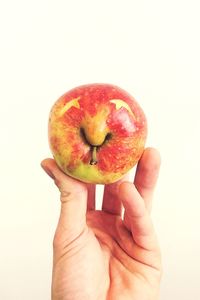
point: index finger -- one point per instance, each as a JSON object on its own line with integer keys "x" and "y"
{"x": 111, "y": 202}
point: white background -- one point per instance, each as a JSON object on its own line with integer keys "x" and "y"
{"x": 149, "y": 48}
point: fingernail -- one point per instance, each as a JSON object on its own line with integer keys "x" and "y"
{"x": 48, "y": 171}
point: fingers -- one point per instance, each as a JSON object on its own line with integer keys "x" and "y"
{"x": 73, "y": 196}
{"x": 147, "y": 174}
{"x": 138, "y": 219}
{"x": 91, "y": 196}
{"x": 111, "y": 201}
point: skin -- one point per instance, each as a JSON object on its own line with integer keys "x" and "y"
{"x": 101, "y": 255}
{"x": 97, "y": 133}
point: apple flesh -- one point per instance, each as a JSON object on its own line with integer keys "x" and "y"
{"x": 97, "y": 133}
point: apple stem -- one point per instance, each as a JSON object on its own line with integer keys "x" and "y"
{"x": 94, "y": 156}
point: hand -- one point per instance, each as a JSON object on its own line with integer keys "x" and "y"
{"x": 99, "y": 255}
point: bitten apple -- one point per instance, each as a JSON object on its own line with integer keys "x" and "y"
{"x": 97, "y": 133}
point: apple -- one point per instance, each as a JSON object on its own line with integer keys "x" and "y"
{"x": 97, "y": 133}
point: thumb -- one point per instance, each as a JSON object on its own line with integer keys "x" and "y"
{"x": 73, "y": 196}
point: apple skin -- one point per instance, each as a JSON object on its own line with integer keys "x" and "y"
{"x": 97, "y": 133}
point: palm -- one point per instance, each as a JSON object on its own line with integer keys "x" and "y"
{"x": 127, "y": 271}
{"x": 105, "y": 263}
{"x": 107, "y": 256}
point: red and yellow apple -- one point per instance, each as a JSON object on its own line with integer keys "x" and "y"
{"x": 97, "y": 133}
